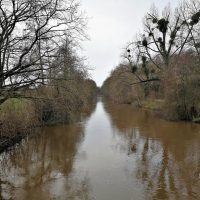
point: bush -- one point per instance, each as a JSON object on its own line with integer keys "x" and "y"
{"x": 16, "y": 116}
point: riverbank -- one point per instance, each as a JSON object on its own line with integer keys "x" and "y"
{"x": 155, "y": 106}
{"x": 20, "y": 116}
{"x": 158, "y": 106}
{"x": 8, "y": 140}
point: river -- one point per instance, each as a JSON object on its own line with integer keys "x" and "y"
{"x": 115, "y": 152}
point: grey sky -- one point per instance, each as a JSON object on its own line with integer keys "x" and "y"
{"x": 112, "y": 24}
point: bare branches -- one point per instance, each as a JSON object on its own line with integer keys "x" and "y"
{"x": 31, "y": 32}
{"x": 164, "y": 37}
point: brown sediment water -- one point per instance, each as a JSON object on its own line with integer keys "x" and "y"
{"x": 115, "y": 153}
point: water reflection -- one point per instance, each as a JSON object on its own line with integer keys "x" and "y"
{"x": 113, "y": 153}
{"x": 42, "y": 166}
{"x": 167, "y": 154}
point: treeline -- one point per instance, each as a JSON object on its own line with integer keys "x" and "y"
{"x": 161, "y": 67}
{"x": 43, "y": 79}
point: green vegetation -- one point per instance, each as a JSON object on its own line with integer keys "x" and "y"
{"x": 153, "y": 104}
{"x": 14, "y": 105}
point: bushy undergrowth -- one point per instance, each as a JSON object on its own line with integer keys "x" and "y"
{"x": 177, "y": 95}
{"x": 16, "y": 115}
{"x": 45, "y": 106}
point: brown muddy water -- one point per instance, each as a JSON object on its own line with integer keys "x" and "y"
{"x": 113, "y": 153}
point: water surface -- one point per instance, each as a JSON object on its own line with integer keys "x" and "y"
{"x": 113, "y": 153}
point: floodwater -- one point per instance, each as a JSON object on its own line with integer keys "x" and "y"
{"x": 115, "y": 152}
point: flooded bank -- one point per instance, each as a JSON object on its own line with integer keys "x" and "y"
{"x": 115, "y": 152}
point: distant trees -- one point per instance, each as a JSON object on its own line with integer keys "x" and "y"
{"x": 118, "y": 86}
{"x": 31, "y": 32}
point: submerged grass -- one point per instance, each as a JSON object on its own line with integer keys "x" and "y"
{"x": 153, "y": 104}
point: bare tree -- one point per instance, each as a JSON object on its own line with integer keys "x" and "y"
{"x": 164, "y": 38}
{"x": 31, "y": 31}
{"x": 190, "y": 14}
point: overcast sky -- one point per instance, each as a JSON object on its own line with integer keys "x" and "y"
{"x": 111, "y": 25}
